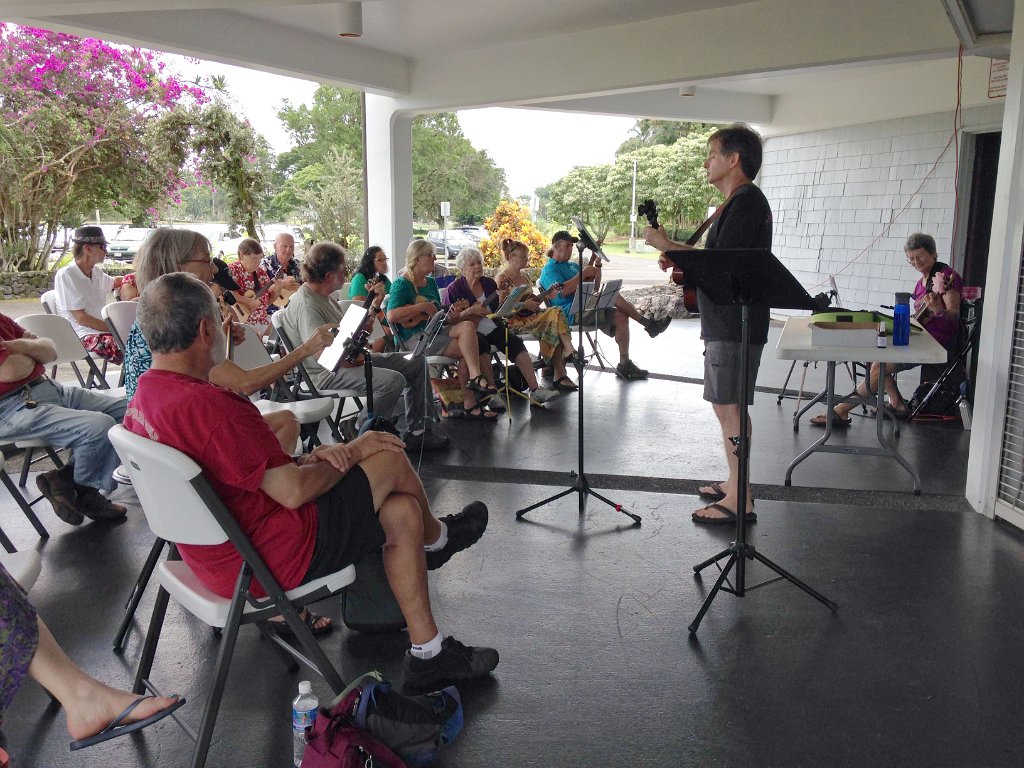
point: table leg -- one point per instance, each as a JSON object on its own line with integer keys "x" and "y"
{"x": 889, "y": 447}
{"x": 829, "y": 394}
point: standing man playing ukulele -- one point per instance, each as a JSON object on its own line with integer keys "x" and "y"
{"x": 744, "y": 220}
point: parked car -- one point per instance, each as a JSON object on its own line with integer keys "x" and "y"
{"x": 457, "y": 240}
{"x": 475, "y": 233}
{"x": 126, "y": 243}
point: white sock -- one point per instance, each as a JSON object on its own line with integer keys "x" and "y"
{"x": 427, "y": 650}
{"x": 441, "y": 540}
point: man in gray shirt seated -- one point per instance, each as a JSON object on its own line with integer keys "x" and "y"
{"x": 394, "y": 374}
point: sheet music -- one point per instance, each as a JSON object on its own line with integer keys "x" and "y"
{"x": 377, "y": 331}
{"x": 587, "y": 293}
{"x": 606, "y": 299}
{"x": 331, "y": 357}
{"x": 428, "y": 333}
{"x": 511, "y": 303}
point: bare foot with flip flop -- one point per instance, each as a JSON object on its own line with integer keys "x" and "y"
{"x": 722, "y": 509}
{"x": 111, "y": 713}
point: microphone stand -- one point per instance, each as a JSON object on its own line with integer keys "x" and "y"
{"x": 580, "y": 483}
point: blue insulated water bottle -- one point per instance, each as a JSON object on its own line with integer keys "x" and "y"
{"x": 901, "y": 321}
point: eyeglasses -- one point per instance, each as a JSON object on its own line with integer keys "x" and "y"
{"x": 208, "y": 261}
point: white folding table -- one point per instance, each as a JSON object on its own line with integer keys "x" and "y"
{"x": 795, "y": 344}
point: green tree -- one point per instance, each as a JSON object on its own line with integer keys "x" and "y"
{"x": 334, "y": 119}
{"x": 235, "y": 159}
{"x": 85, "y": 124}
{"x": 329, "y": 195}
{"x": 446, "y": 166}
{"x": 649, "y": 133}
{"x": 585, "y": 192}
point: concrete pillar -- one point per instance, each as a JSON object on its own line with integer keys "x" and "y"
{"x": 1001, "y": 282}
{"x": 388, "y": 136}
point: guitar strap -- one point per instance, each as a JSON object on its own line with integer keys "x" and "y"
{"x": 710, "y": 220}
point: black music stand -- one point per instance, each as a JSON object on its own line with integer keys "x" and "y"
{"x": 580, "y": 484}
{"x": 750, "y": 278}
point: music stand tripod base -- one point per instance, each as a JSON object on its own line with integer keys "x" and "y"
{"x": 580, "y": 484}
{"x": 749, "y": 278}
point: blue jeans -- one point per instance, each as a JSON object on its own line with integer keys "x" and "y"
{"x": 68, "y": 417}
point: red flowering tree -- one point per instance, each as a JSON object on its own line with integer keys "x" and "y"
{"x": 83, "y": 124}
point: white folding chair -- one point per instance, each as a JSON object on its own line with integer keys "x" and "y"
{"x": 119, "y": 317}
{"x": 24, "y": 567}
{"x": 305, "y": 389}
{"x": 342, "y": 293}
{"x": 69, "y": 350}
{"x": 28, "y": 446}
{"x": 49, "y": 302}
{"x": 181, "y": 507}
{"x": 251, "y": 353}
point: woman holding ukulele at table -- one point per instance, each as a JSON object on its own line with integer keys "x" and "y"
{"x": 936, "y": 307}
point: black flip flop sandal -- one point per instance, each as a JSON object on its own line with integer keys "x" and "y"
{"x": 118, "y": 728}
{"x": 717, "y": 494}
{"x": 730, "y": 516}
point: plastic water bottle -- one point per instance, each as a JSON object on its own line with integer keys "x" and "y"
{"x": 901, "y": 320}
{"x": 303, "y": 715}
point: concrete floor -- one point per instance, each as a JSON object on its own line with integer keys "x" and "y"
{"x": 918, "y": 667}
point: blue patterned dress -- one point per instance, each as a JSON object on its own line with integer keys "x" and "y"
{"x": 19, "y": 636}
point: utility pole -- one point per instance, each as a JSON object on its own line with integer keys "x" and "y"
{"x": 632, "y": 214}
{"x": 446, "y": 210}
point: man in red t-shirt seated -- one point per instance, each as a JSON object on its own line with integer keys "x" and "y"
{"x": 307, "y": 518}
{"x": 34, "y": 406}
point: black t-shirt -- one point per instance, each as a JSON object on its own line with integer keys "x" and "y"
{"x": 746, "y": 222}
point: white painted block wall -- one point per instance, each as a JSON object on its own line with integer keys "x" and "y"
{"x": 844, "y": 201}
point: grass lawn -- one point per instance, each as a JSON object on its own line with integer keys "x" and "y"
{"x": 621, "y": 248}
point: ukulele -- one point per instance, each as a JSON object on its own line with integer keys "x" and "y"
{"x": 458, "y": 306}
{"x": 229, "y": 306}
{"x": 286, "y": 295}
{"x": 505, "y": 284}
{"x": 244, "y": 312}
{"x": 649, "y": 209}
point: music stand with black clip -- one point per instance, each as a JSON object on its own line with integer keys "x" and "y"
{"x": 750, "y": 278}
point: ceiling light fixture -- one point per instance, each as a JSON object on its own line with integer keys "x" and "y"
{"x": 688, "y": 90}
{"x": 350, "y": 19}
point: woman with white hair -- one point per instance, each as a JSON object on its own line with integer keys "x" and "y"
{"x": 414, "y": 299}
{"x": 477, "y": 290}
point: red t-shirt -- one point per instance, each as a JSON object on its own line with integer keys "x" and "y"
{"x": 225, "y": 434}
{"x": 10, "y": 330}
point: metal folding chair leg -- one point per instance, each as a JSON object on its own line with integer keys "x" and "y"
{"x": 132, "y": 605}
{"x": 26, "y": 506}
